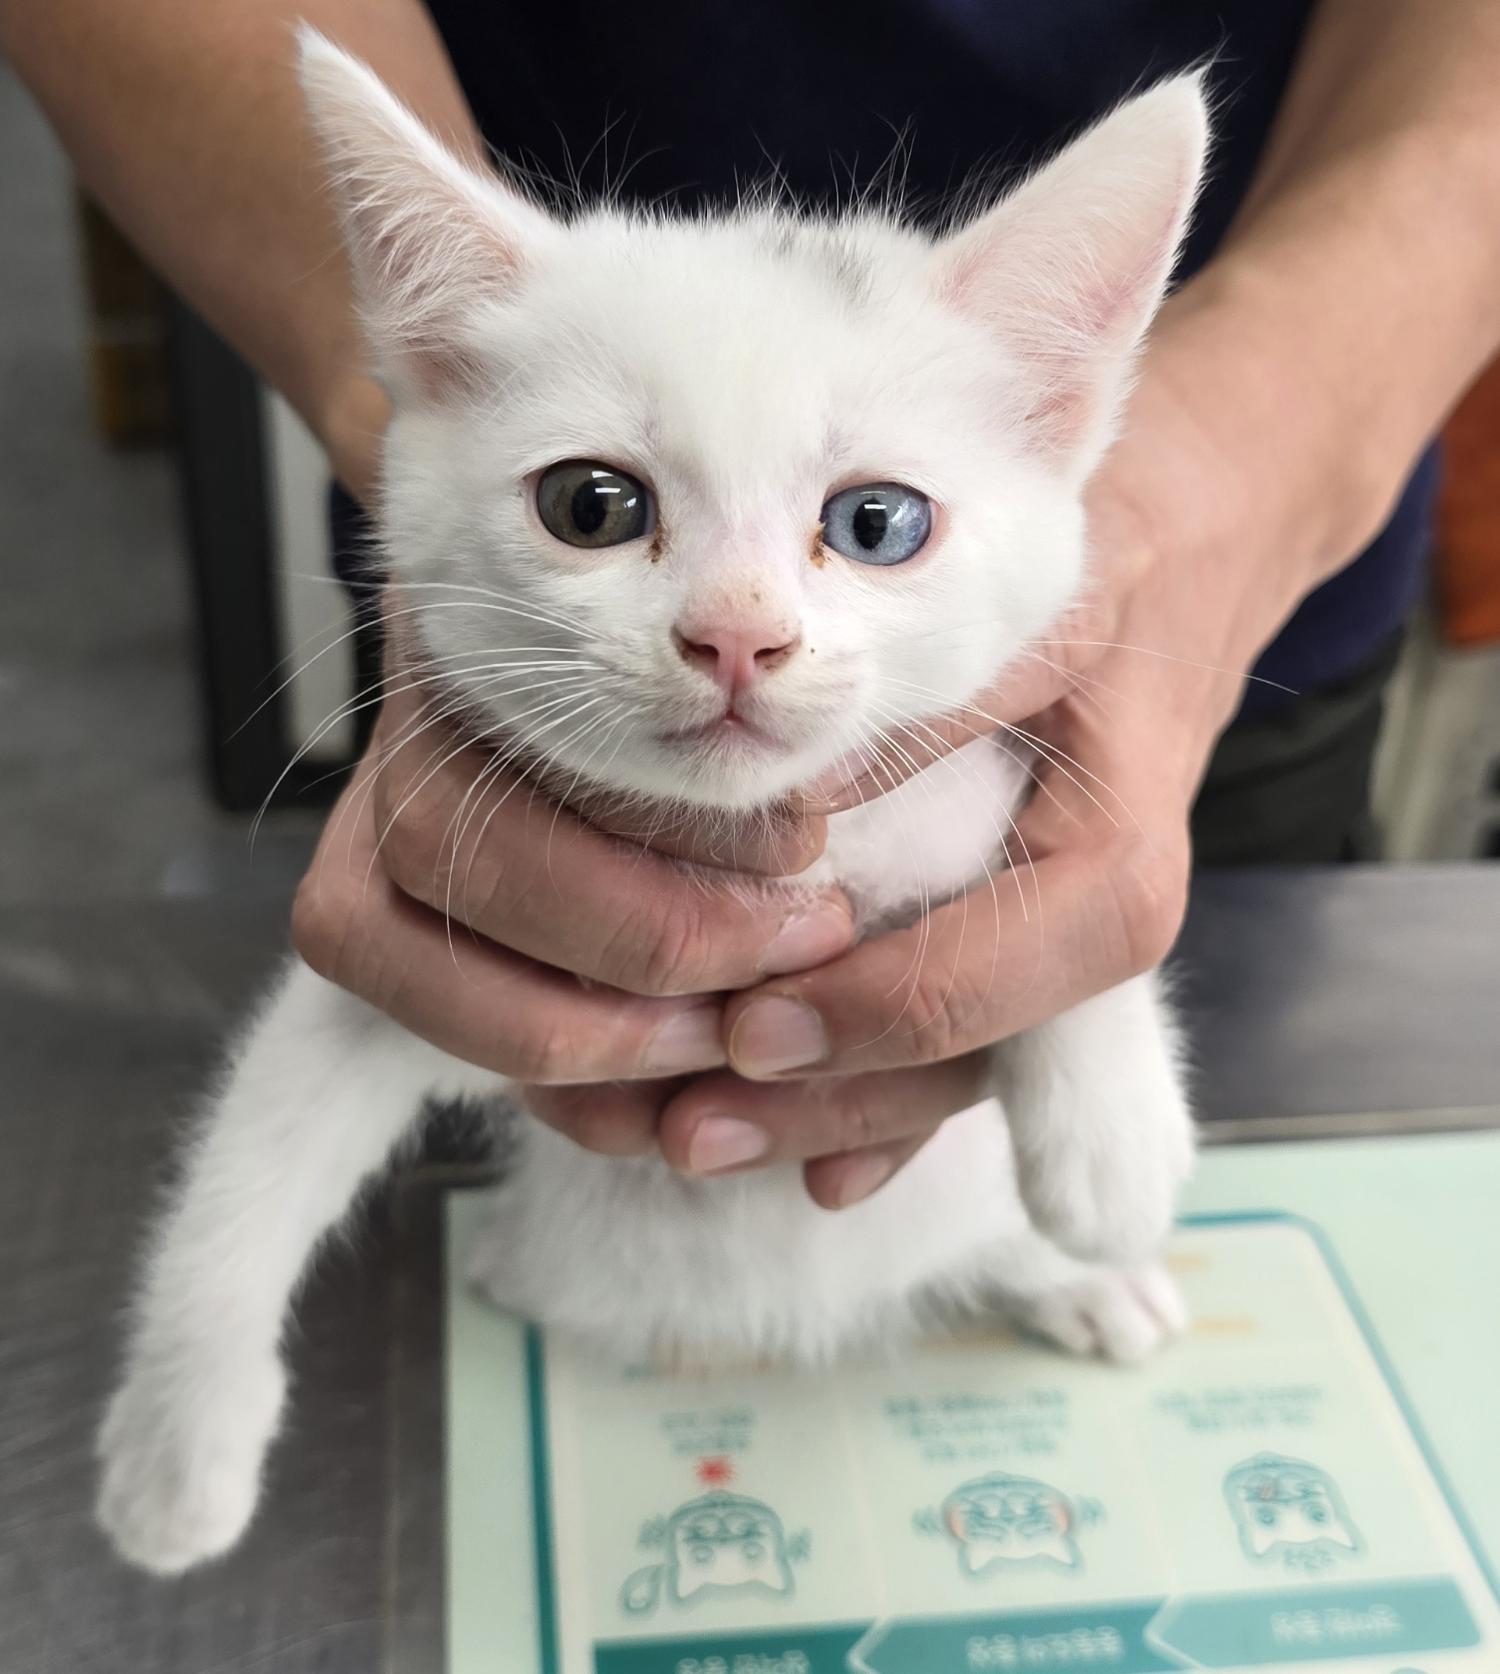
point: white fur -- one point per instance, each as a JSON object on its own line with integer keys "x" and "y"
{"x": 745, "y": 366}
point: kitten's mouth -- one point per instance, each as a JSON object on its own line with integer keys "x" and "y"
{"x": 730, "y": 729}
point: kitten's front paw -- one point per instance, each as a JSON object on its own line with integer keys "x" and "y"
{"x": 1114, "y": 1202}
{"x": 1123, "y": 1314}
{"x": 181, "y": 1468}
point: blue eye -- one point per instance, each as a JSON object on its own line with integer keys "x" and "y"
{"x": 882, "y": 523}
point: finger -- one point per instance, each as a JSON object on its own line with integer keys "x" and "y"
{"x": 480, "y": 1002}
{"x": 1099, "y": 899}
{"x": 973, "y": 972}
{"x": 614, "y": 1118}
{"x": 469, "y": 837}
{"x": 776, "y": 842}
{"x": 842, "y": 1181}
{"x": 721, "y": 1123}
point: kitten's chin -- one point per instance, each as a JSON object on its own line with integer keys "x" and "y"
{"x": 735, "y": 768}
{"x": 730, "y": 770}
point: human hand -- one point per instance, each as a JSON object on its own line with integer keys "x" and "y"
{"x": 448, "y": 892}
{"x": 851, "y": 1067}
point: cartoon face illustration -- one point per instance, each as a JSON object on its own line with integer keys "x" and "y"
{"x": 726, "y": 1540}
{"x": 720, "y": 1542}
{"x": 1003, "y": 1519}
{"x": 1285, "y": 1508}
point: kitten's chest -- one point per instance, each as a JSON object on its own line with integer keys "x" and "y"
{"x": 929, "y": 839}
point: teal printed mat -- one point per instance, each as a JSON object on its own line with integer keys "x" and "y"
{"x": 1308, "y": 1481}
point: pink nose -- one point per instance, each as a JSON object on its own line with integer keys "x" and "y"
{"x": 736, "y": 657}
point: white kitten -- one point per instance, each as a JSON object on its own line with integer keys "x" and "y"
{"x": 780, "y": 483}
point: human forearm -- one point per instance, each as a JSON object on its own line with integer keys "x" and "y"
{"x": 1361, "y": 279}
{"x": 185, "y": 121}
{"x": 1288, "y": 388}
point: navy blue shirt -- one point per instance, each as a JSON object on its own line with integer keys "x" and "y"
{"x": 699, "y": 97}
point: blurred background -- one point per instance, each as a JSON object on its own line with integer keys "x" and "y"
{"x": 164, "y": 526}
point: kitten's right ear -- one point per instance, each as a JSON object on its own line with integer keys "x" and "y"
{"x": 1070, "y": 267}
{"x": 429, "y": 240}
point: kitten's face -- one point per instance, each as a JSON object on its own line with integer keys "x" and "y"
{"x": 724, "y": 649}
{"x": 623, "y": 480}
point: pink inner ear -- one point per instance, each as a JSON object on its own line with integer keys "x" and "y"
{"x": 1084, "y": 306}
{"x": 1069, "y": 269}
{"x": 1102, "y": 308}
{"x": 399, "y": 249}
{"x": 430, "y": 238}
{"x": 1091, "y": 322}
{"x": 416, "y": 304}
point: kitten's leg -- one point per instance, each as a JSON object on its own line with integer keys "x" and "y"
{"x": 1100, "y": 1123}
{"x": 1121, "y": 1313}
{"x": 320, "y": 1091}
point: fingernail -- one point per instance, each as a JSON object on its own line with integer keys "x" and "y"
{"x": 807, "y": 940}
{"x": 689, "y": 1041}
{"x": 721, "y": 1142}
{"x": 861, "y": 1177}
{"x": 777, "y": 1034}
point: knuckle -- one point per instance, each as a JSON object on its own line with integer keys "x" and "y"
{"x": 859, "y": 1125}
{"x": 1152, "y": 887}
{"x": 321, "y": 922}
{"x": 936, "y": 1011}
{"x": 545, "y": 1057}
{"x": 662, "y": 954}
{"x": 485, "y": 895}
{"x": 405, "y": 848}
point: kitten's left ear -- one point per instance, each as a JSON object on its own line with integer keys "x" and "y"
{"x": 1071, "y": 266}
{"x": 430, "y": 241}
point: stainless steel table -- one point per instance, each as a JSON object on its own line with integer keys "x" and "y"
{"x": 1311, "y": 995}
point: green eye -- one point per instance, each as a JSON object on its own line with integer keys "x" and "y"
{"x": 587, "y": 504}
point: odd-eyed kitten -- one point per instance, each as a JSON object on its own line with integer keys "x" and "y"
{"x": 779, "y": 484}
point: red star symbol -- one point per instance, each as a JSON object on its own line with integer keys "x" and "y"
{"x": 714, "y": 1473}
